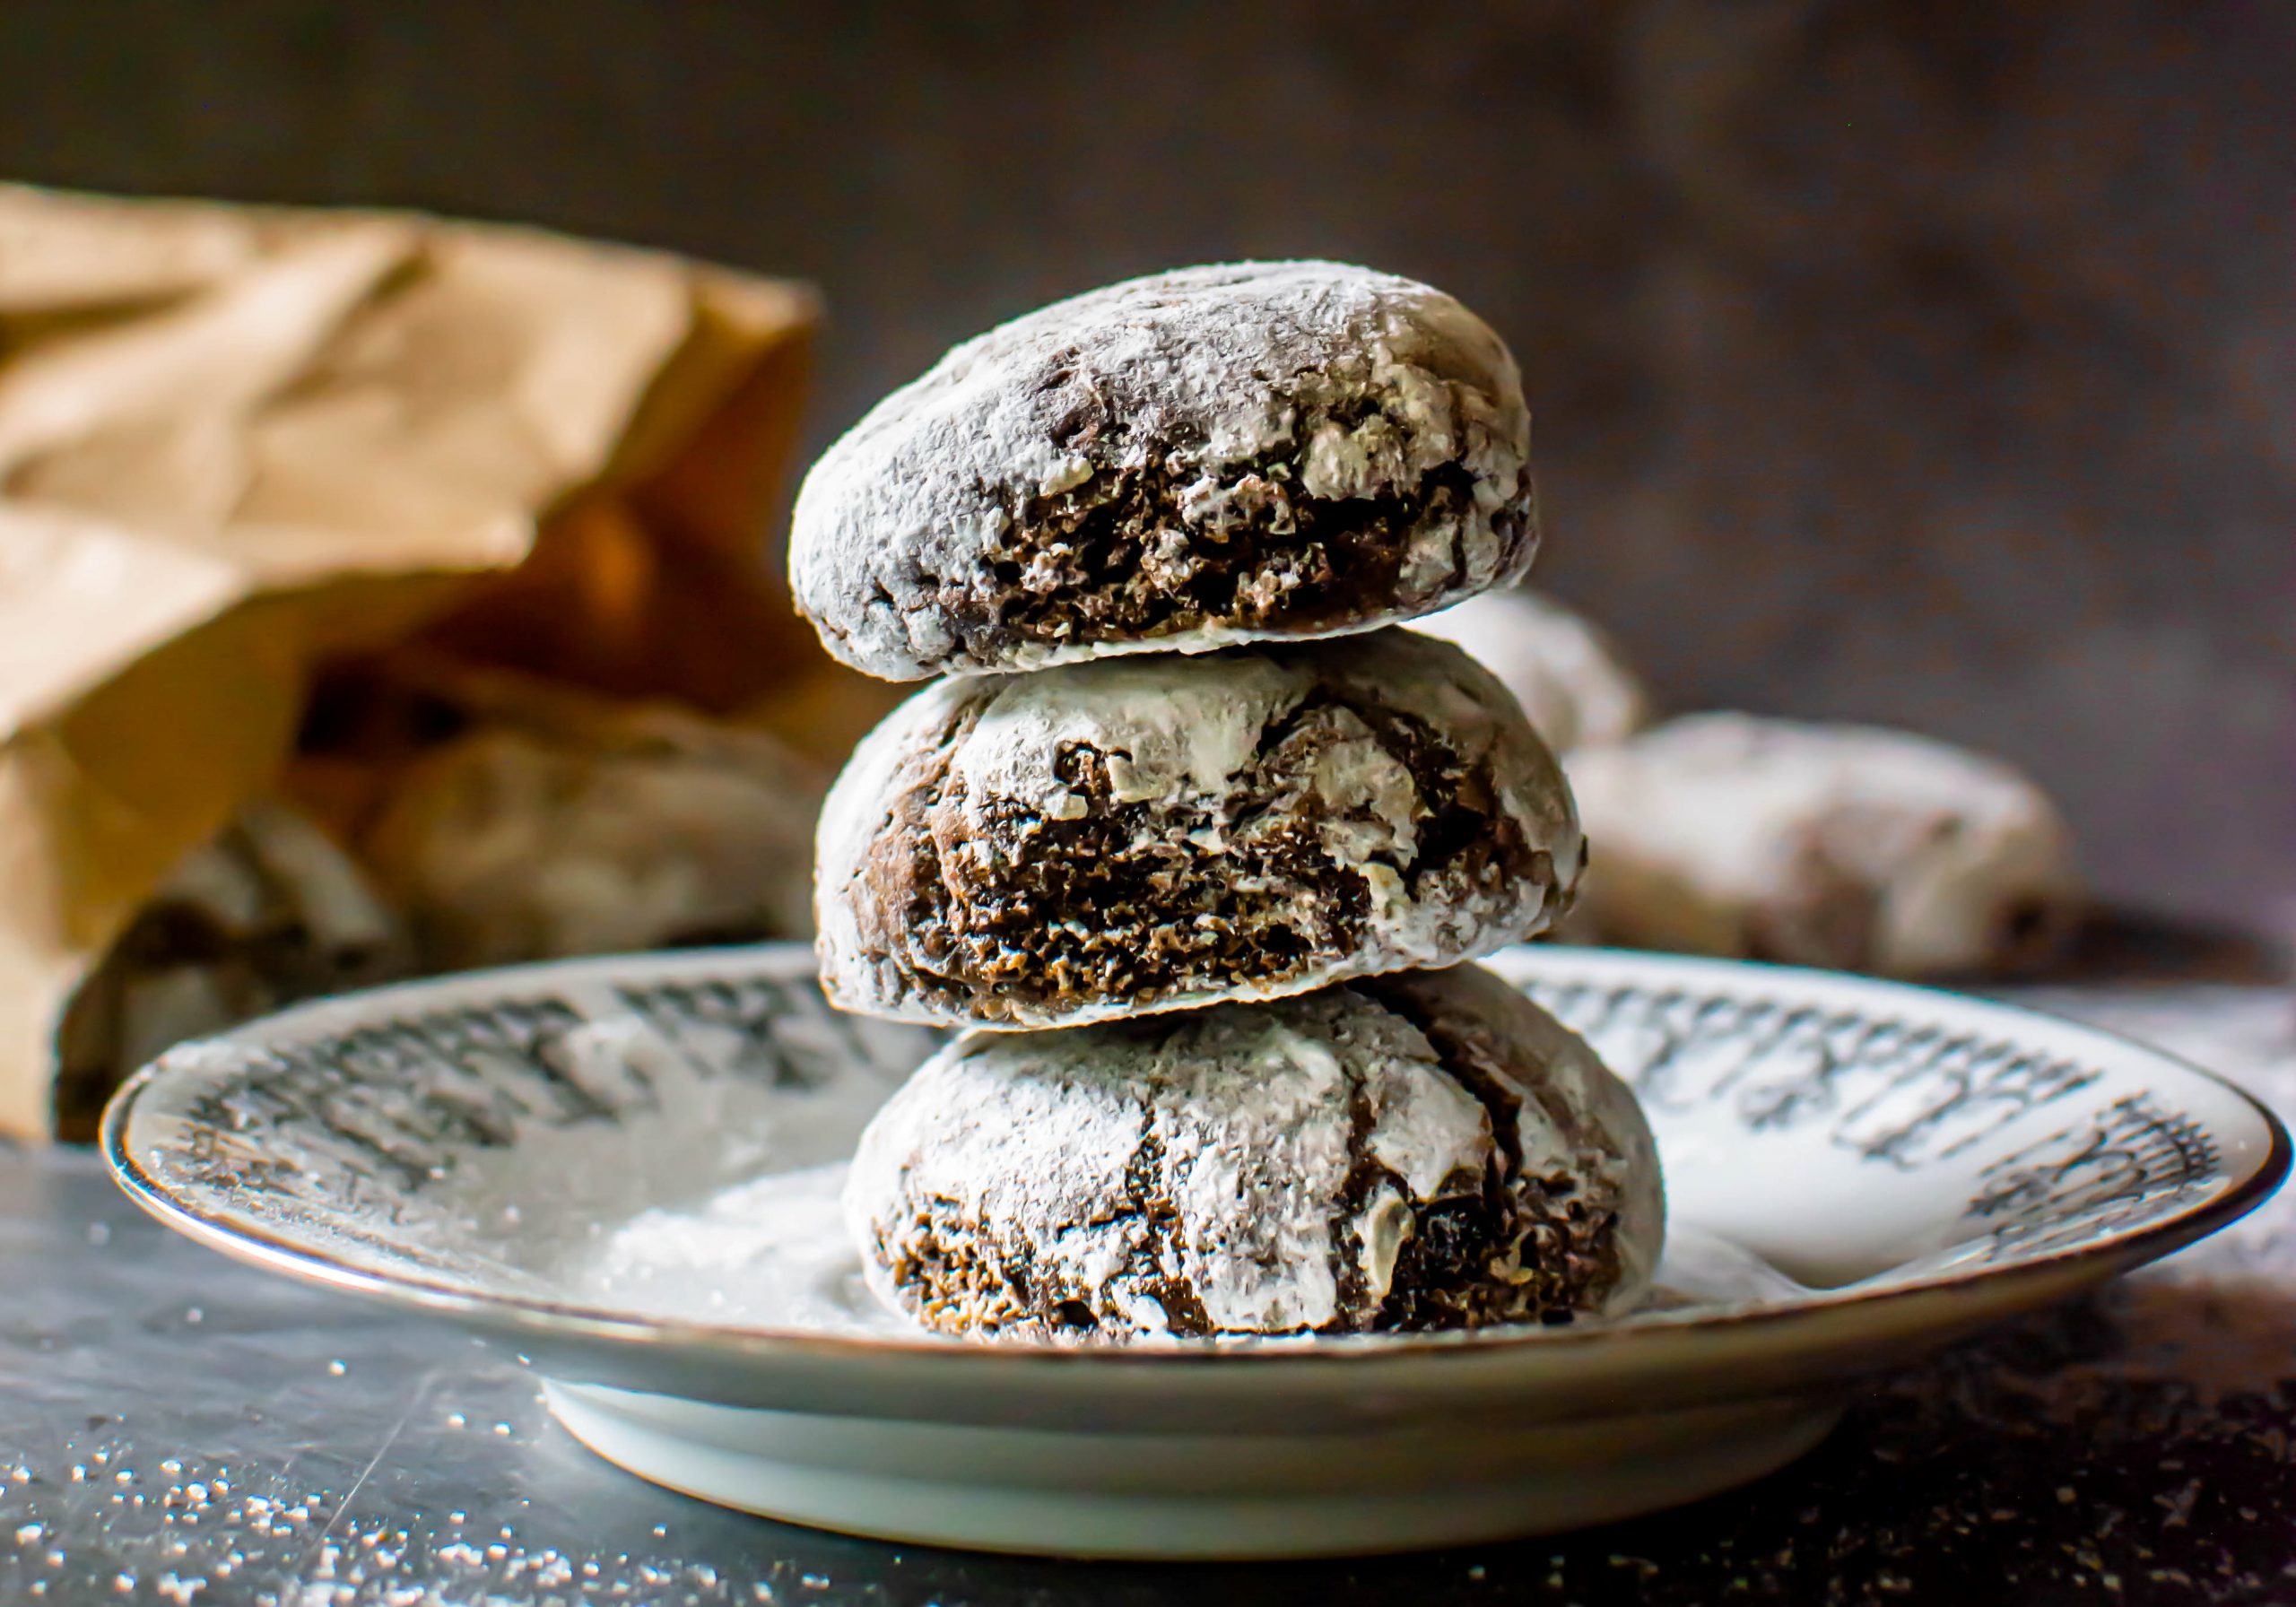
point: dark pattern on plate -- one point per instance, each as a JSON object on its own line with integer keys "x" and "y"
{"x": 348, "y": 1135}
{"x": 780, "y": 1031}
{"x": 349, "y": 1132}
{"x": 1903, "y": 1094}
{"x": 2131, "y": 1163}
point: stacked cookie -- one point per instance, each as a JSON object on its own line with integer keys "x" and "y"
{"x": 1192, "y": 832}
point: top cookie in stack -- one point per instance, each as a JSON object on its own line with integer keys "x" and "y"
{"x": 1270, "y": 455}
{"x": 1258, "y": 452}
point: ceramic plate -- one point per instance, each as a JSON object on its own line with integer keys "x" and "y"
{"x": 628, "y": 1168}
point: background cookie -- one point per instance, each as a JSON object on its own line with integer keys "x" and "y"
{"x": 1209, "y": 455}
{"x": 1839, "y": 846}
{"x": 656, "y": 830}
{"x": 1565, "y": 670}
{"x": 1144, "y": 834}
{"x": 1424, "y": 1152}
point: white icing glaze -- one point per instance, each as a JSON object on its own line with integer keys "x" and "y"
{"x": 1703, "y": 823}
{"x": 1565, "y": 673}
{"x": 1185, "y": 729}
{"x": 1198, "y": 369}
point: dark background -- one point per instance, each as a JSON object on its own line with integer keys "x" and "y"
{"x": 1932, "y": 363}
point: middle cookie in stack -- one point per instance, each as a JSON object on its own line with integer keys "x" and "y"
{"x": 1294, "y": 456}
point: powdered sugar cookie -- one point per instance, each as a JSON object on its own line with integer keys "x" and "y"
{"x": 1255, "y": 451}
{"x": 1424, "y": 1152}
{"x": 1821, "y": 844}
{"x": 1145, "y": 834}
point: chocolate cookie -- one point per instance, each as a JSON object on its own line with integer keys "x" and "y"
{"x": 1821, "y": 844}
{"x": 1145, "y": 834}
{"x": 1428, "y": 1151}
{"x": 1201, "y": 457}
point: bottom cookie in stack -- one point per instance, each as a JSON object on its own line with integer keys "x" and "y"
{"x": 1418, "y": 1151}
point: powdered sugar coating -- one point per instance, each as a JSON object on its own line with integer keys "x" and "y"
{"x": 1566, "y": 674}
{"x": 1827, "y": 845}
{"x": 1325, "y": 1164}
{"x": 1293, "y": 400}
{"x": 957, "y": 856}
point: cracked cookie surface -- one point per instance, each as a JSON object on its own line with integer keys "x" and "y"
{"x": 1420, "y": 1152}
{"x": 1151, "y": 834}
{"x": 1237, "y": 453}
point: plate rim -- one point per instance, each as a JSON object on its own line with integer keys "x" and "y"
{"x": 2070, "y": 1266}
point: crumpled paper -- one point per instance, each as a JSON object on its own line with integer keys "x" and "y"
{"x": 240, "y": 444}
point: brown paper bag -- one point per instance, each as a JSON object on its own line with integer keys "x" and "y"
{"x": 238, "y": 445}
